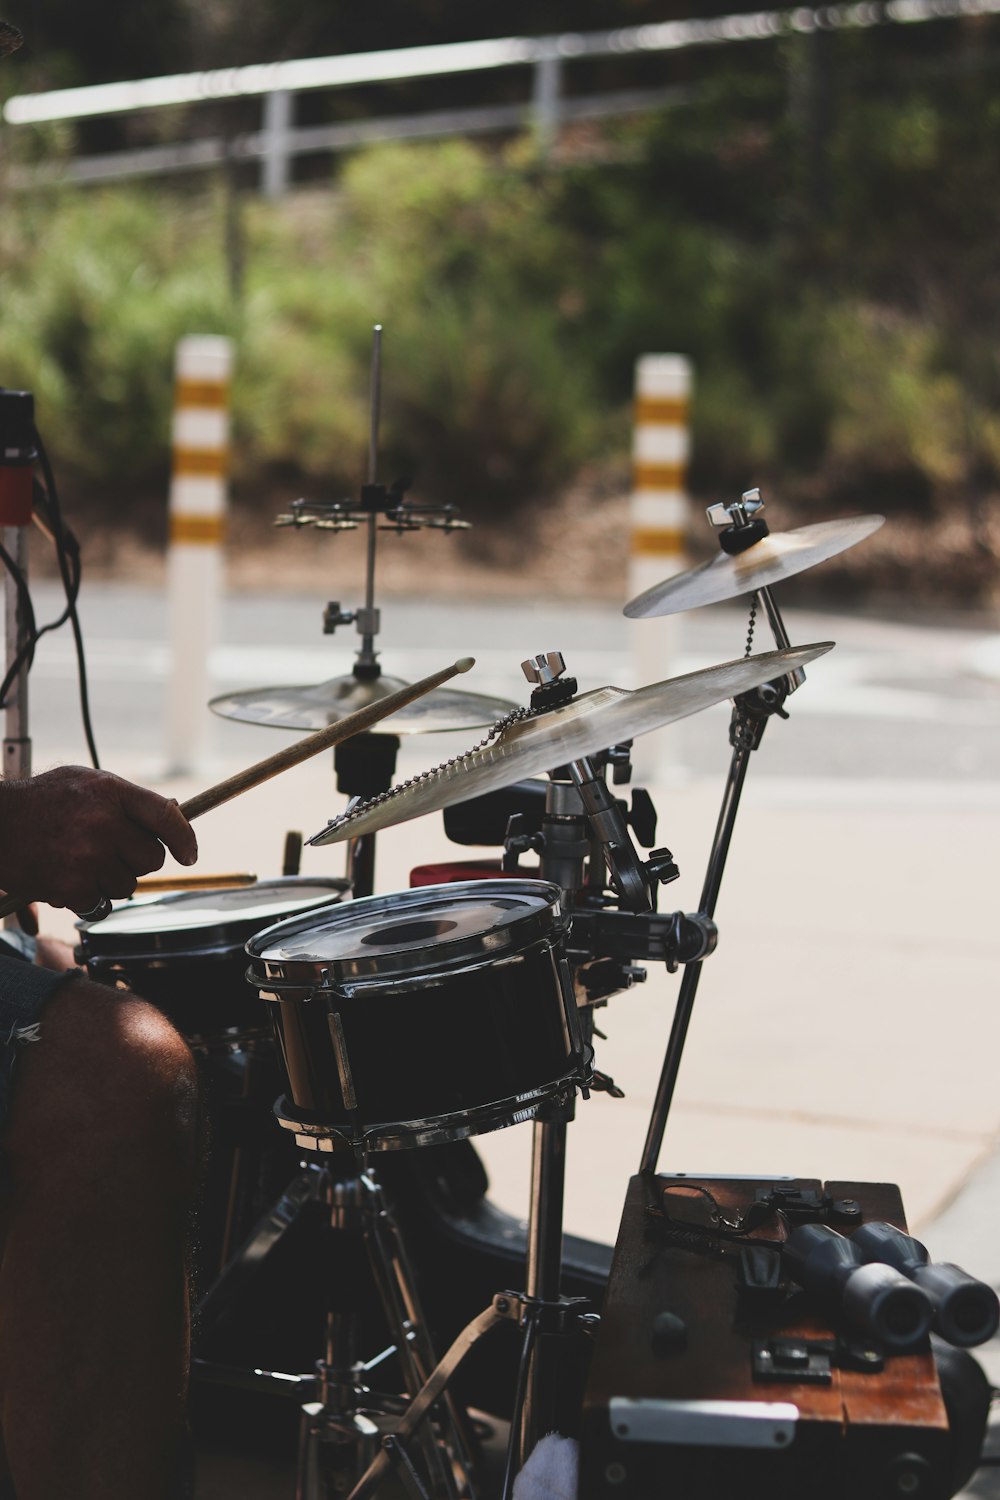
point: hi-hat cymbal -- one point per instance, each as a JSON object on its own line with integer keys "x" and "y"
{"x": 768, "y": 561}
{"x": 327, "y": 702}
{"x": 543, "y": 741}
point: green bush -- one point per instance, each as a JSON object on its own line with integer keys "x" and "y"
{"x": 844, "y": 342}
{"x": 96, "y": 288}
{"x": 460, "y": 259}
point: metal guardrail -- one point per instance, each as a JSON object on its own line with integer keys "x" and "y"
{"x": 214, "y": 151}
{"x": 277, "y": 83}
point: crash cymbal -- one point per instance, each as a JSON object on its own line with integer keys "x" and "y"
{"x": 540, "y": 742}
{"x": 327, "y": 702}
{"x": 774, "y": 557}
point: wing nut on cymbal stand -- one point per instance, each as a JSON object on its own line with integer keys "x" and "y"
{"x": 742, "y": 528}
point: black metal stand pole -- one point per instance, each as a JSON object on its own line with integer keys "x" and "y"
{"x": 689, "y": 984}
{"x": 544, "y": 1269}
{"x": 365, "y": 766}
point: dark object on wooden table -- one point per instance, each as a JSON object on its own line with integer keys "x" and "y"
{"x": 755, "y": 1392}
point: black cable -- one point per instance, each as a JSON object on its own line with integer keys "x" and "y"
{"x": 70, "y": 570}
{"x": 27, "y": 617}
{"x": 68, "y": 558}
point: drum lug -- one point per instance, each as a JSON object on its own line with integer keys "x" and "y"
{"x": 603, "y": 1083}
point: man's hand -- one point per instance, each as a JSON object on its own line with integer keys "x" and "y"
{"x": 72, "y": 836}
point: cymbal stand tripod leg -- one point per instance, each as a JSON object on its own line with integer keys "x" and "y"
{"x": 396, "y": 1286}
{"x": 502, "y": 1308}
{"x": 527, "y": 1313}
{"x": 751, "y": 712}
{"x": 338, "y": 1438}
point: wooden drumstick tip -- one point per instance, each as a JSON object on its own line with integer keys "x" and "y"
{"x": 465, "y": 664}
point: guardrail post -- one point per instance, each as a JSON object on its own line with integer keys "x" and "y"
{"x": 658, "y": 520}
{"x": 197, "y": 523}
{"x": 545, "y": 97}
{"x": 275, "y": 168}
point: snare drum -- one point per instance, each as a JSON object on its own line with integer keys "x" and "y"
{"x": 185, "y": 952}
{"x": 421, "y": 1017}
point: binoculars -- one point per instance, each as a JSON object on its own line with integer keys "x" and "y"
{"x": 884, "y": 1283}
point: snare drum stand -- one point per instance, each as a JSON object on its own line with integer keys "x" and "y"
{"x": 341, "y": 1433}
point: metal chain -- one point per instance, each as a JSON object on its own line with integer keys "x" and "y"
{"x": 750, "y": 625}
{"x": 516, "y": 716}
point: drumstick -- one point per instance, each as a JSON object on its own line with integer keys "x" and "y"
{"x": 292, "y": 755}
{"x": 192, "y": 883}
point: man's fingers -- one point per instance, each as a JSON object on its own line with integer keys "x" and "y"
{"x": 162, "y": 816}
{"x": 141, "y": 851}
{"x": 114, "y": 878}
{"x": 178, "y": 835}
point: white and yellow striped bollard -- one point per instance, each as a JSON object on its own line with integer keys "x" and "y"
{"x": 197, "y": 527}
{"x": 658, "y": 520}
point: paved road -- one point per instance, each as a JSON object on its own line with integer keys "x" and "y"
{"x": 892, "y": 703}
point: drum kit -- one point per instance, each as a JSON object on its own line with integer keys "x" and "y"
{"x": 394, "y": 1027}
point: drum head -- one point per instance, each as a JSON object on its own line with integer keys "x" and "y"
{"x": 183, "y": 921}
{"x": 381, "y": 938}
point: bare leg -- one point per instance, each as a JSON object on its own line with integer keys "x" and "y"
{"x": 93, "y": 1293}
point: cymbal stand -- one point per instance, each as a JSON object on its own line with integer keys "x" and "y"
{"x": 571, "y": 805}
{"x": 379, "y": 508}
{"x": 583, "y": 823}
{"x": 751, "y": 712}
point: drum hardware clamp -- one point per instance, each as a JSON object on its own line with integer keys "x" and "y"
{"x": 630, "y": 878}
{"x": 553, "y": 1317}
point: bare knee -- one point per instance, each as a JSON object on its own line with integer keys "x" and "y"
{"x": 106, "y": 1082}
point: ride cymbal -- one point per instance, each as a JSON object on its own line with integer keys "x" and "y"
{"x": 774, "y": 557}
{"x": 541, "y": 741}
{"x": 327, "y": 702}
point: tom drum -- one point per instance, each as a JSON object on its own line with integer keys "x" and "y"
{"x": 424, "y": 1016}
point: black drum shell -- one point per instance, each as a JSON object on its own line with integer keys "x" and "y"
{"x": 196, "y": 974}
{"x": 450, "y": 1048}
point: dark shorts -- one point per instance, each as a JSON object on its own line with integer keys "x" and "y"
{"x": 24, "y": 991}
